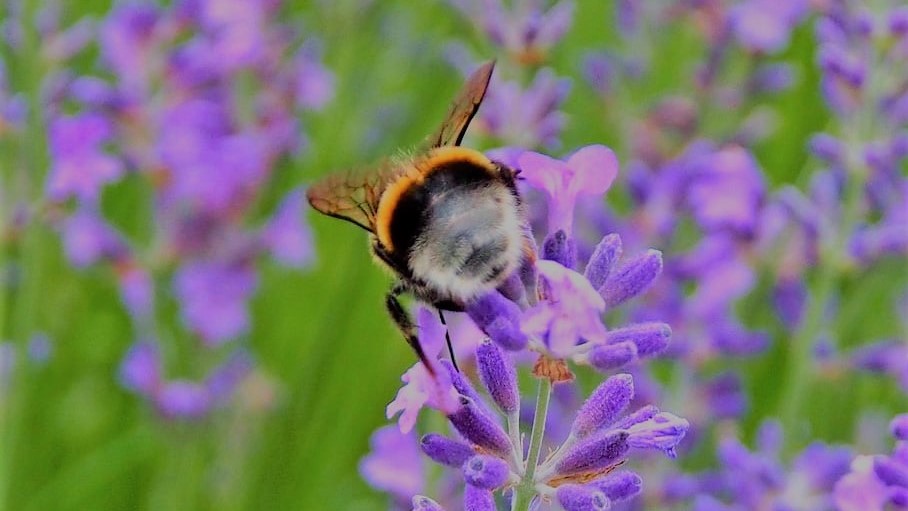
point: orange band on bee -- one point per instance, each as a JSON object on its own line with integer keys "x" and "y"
{"x": 415, "y": 174}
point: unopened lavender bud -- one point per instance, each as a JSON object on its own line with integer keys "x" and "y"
{"x": 559, "y": 248}
{"x": 595, "y": 453}
{"x": 421, "y": 503}
{"x": 512, "y": 288}
{"x": 619, "y": 486}
{"x": 461, "y": 384}
{"x": 478, "y": 499}
{"x": 651, "y": 338}
{"x": 898, "y": 22}
{"x": 891, "y": 473}
{"x": 498, "y": 376}
{"x": 899, "y": 426}
{"x": 444, "y": 450}
{"x": 827, "y": 148}
{"x": 604, "y": 257}
{"x": 604, "y": 405}
{"x": 664, "y": 431}
{"x": 635, "y": 277}
{"x": 488, "y": 472}
{"x": 479, "y": 428}
{"x": 499, "y": 318}
{"x": 577, "y": 497}
{"x": 608, "y": 357}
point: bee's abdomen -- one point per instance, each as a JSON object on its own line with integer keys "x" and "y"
{"x": 460, "y": 231}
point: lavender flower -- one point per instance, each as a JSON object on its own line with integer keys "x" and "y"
{"x": 876, "y": 482}
{"x": 394, "y": 464}
{"x": 525, "y": 30}
{"x": 162, "y": 103}
{"x": 526, "y": 117}
{"x": 81, "y": 167}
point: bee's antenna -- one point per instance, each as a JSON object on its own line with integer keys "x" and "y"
{"x": 441, "y": 316}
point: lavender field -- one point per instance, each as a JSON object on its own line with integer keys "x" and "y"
{"x": 710, "y": 313}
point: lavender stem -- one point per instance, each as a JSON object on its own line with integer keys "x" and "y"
{"x": 526, "y": 490}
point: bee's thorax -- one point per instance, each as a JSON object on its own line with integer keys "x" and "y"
{"x": 457, "y": 234}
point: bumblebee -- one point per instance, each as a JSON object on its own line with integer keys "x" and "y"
{"x": 447, "y": 221}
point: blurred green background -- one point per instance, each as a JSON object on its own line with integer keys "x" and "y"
{"x": 328, "y": 358}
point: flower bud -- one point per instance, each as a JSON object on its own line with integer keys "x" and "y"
{"x": 499, "y": 318}
{"x": 635, "y": 277}
{"x": 608, "y": 357}
{"x": 619, "y": 486}
{"x": 477, "y": 499}
{"x": 498, "y": 376}
{"x": 479, "y": 428}
{"x": 650, "y": 338}
{"x": 890, "y": 472}
{"x": 444, "y": 450}
{"x": 603, "y": 260}
{"x": 604, "y": 405}
{"x": 561, "y": 249}
{"x": 899, "y": 426}
{"x": 576, "y": 497}
{"x": 421, "y": 503}
{"x": 598, "y": 452}
{"x": 486, "y": 472}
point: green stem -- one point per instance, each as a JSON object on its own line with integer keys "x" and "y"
{"x": 25, "y": 174}
{"x": 526, "y": 490}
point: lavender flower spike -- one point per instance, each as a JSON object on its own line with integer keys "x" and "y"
{"x": 635, "y": 277}
{"x": 498, "y": 376}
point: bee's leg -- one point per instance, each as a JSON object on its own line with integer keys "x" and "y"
{"x": 441, "y": 316}
{"x": 405, "y": 324}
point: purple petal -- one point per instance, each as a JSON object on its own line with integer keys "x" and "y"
{"x": 393, "y": 463}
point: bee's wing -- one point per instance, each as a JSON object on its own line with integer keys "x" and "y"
{"x": 464, "y": 108}
{"x": 352, "y": 196}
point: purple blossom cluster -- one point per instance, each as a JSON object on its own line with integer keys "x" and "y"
{"x": 197, "y": 102}
{"x": 551, "y": 316}
{"x": 699, "y": 193}
{"x": 876, "y": 483}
